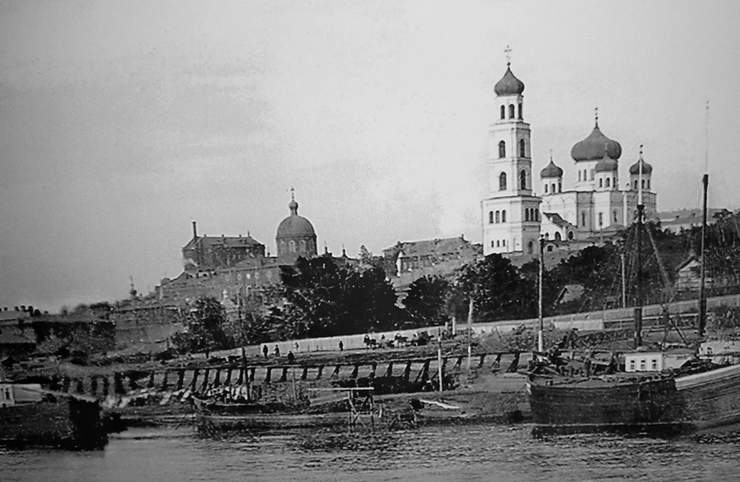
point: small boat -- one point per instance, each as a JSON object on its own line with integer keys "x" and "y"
{"x": 32, "y": 416}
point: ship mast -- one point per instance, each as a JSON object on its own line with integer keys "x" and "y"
{"x": 638, "y": 239}
{"x": 540, "y": 336}
{"x": 705, "y": 186}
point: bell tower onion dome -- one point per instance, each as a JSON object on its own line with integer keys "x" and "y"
{"x": 509, "y": 84}
{"x": 596, "y": 146}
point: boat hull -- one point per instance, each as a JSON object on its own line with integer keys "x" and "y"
{"x": 605, "y": 404}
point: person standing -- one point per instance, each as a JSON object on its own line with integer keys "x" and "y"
{"x": 264, "y": 351}
{"x": 341, "y": 345}
{"x": 277, "y": 351}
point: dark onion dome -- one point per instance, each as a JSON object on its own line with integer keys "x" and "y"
{"x": 596, "y": 146}
{"x": 295, "y": 226}
{"x": 606, "y": 164}
{"x": 551, "y": 170}
{"x": 646, "y": 168}
{"x": 509, "y": 84}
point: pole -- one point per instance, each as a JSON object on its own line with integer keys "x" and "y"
{"x": 638, "y": 236}
{"x": 470, "y": 331}
{"x": 624, "y": 281}
{"x": 702, "y": 293}
{"x": 540, "y": 335}
{"x": 439, "y": 360}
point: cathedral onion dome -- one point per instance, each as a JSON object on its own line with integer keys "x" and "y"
{"x": 596, "y": 146}
{"x": 509, "y": 84}
{"x": 295, "y": 226}
{"x": 551, "y": 170}
{"x": 646, "y": 168}
{"x": 606, "y": 164}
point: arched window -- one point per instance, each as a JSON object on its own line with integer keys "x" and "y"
{"x": 498, "y": 243}
{"x": 643, "y": 183}
{"x": 552, "y": 188}
{"x": 648, "y": 184}
{"x": 523, "y": 179}
{"x": 592, "y": 174}
{"x": 498, "y": 217}
{"x": 526, "y": 214}
{"x": 635, "y": 184}
{"x": 545, "y": 188}
{"x": 570, "y": 234}
{"x": 560, "y": 187}
{"x": 608, "y": 181}
{"x": 501, "y": 149}
{"x": 536, "y": 215}
{"x": 558, "y": 237}
{"x": 521, "y": 111}
{"x": 585, "y": 175}
{"x": 503, "y": 112}
{"x": 502, "y": 182}
{"x": 530, "y": 247}
{"x": 583, "y": 219}
{"x": 511, "y": 111}
{"x": 503, "y": 216}
{"x": 579, "y": 176}
{"x": 601, "y": 182}
{"x": 490, "y": 217}
{"x": 522, "y": 150}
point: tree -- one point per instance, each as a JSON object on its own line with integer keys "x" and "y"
{"x": 497, "y": 289}
{"x": 426, "y": 301}
{"x": 205, "y": 327}
{"x": 324, "y": 298}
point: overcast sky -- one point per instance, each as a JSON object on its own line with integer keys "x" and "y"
{"x": 120, "y": 122}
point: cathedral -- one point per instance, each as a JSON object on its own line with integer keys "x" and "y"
{"x": 514, "y": 216}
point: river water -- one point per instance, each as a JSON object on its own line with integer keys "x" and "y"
{"x": 471, "y": 452}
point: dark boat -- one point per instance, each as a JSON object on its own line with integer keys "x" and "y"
{"x": 664, "y": 403}
{"x": 31, "y": 416}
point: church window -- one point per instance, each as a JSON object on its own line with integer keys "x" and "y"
{"x": 501, "y": 149}
{"x": 526, "y": 214}
{"x": 545, "y": 188}
{"x": 521, "y": 111}
{"x": 521, "y": 148}
{"x": 648, "y": 184}
{"x": 592, "y": 174}
{"x": 503, "y": 112}
{"x": 583, "y": 219}
{"x": 498, "y": 217}
{"x": 608, "y": 181}
{"x": 570, "y": 234}
{"x": 560, "y": 187}
{"x": 511, "y": 111}
{"x": 490, "y": 217}
{"x": 558, "y": 237}
{"x": 498, "y": 243}
{"x": 530, "y": 247}
{"x": 492, "y": 244}
{"x": 579, "y": 176}
{"x": 585, "y": 175}
{"x": 635, "y": 184}
{"x": 601, "y": 182}
{"x": 291, "y": 246}
{"x": 502, "y": 181}
{"x": 523, "y": 179}
{"x": 552, "y": 188}
{"x": 642, "y": 183}
{"x": 601, "y": 219}
{"x": 503, "y": 216}
{"x": 536, "y": 215}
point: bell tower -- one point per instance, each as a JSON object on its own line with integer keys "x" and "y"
{"x": 510, "y": 213}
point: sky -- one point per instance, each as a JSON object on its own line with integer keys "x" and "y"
{"x": 120, "y": 122}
